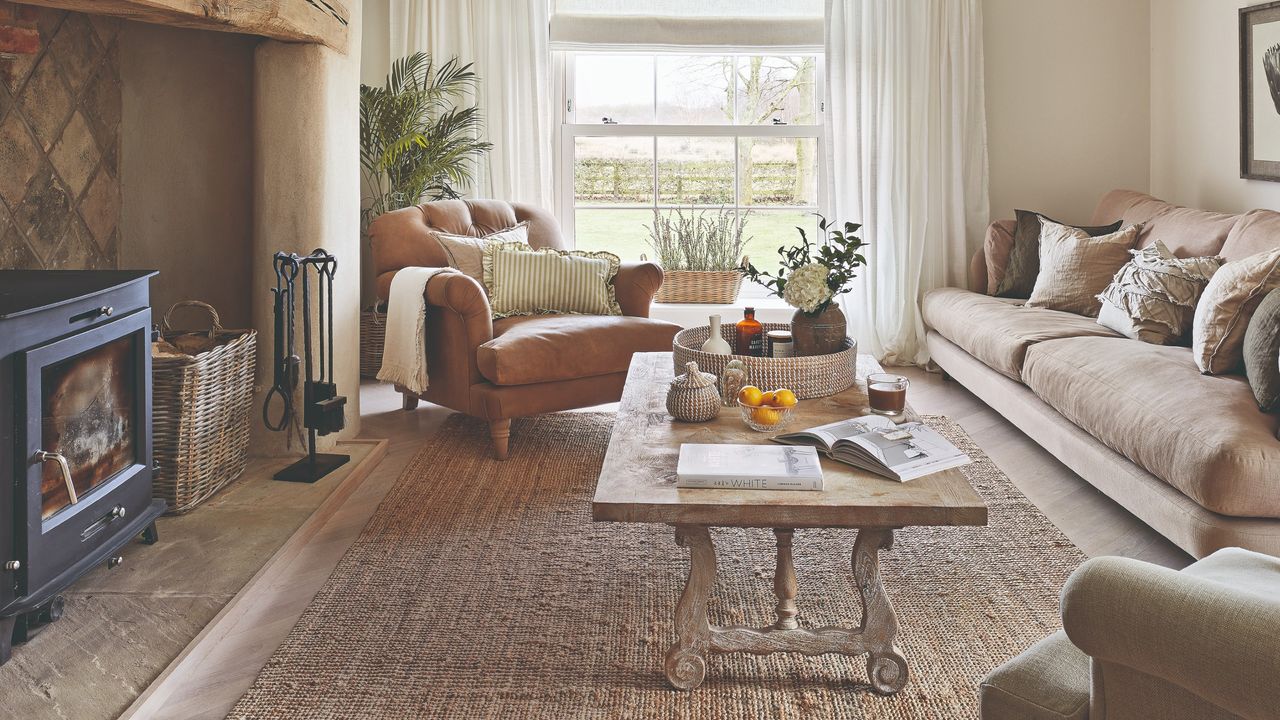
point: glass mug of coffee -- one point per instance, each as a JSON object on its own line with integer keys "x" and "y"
{"x": 887, "y": 393}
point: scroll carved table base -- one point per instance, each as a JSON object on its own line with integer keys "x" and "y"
{"x": 695, "y": 637}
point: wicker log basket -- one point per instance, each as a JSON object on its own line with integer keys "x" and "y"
{"x": 202, "y": 397}
{"x": 808, "y": 377}
{"x": 373, "y": 331}
{"x": 700, "y": 286}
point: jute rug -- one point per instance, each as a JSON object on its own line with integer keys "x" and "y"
{"x": 482, "y": 589}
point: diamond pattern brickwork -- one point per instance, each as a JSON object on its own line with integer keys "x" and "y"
{"x": 60, "y": 146}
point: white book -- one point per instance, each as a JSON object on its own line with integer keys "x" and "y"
{"x": 748, "y": 467}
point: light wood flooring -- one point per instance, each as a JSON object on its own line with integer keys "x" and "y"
{"x": 227, "y": 668}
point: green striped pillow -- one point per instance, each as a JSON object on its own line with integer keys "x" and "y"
{"x": 524, "y": 281}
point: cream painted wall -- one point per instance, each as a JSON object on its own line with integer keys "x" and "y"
{"x": 375, "y": 42}
{"x": 186, "y": 165}
{"x": 1067, "y": 102}
{"x": 1195, "y": 108}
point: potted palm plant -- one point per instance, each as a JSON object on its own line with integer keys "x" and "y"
{"x": 418, "y": 140}
{"x": 700, "y": 254}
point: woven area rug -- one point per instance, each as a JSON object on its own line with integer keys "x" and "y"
{"x": 482, "y": 589}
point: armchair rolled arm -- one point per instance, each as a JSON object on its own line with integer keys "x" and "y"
{"x": 1215, "y": 640}
{"x": 464, "y": 296}
{"x": 635, "y": 285}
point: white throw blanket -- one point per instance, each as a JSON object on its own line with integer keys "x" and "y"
{"x": 404, "y": 351}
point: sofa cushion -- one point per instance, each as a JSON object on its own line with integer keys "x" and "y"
{"x": 1202, "y": 434}
{"x": 1256, "y": 231}
{"x": 1188, "y": 232}
{"x": 998, "y": 331}
{"x": 1240, "y": 569}
{"x": 1047, "y": 681}
{"x": 545, "y": 348}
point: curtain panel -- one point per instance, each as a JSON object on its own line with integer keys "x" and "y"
{"x": 908, "y": 156}
{"x": 509, "y": 46}
{"x": 687, "y": 25}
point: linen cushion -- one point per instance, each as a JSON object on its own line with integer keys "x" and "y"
{"x": 996, "y": 246}
{"x": 1256, "y": 231}
{"x": 1262, "y": 352}
{"x": 522, "y": 281}
{"x": 1019, "y": 274}
{"x": 1202, "y": 434}
{"x": 548, "y": 348}
{"x": 1075, "y": 267}
{"x": 1153, "y": 297}
{"x": 1047, "y": 681}
{"x": 466, "y": 253}
{"x": 1222, "y": 315}
{"x": 998, "y": 331}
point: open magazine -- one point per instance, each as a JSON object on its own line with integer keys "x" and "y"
{"x": 875, "y": 444}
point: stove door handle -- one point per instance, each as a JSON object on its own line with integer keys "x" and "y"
{"x": 61, "y": 459}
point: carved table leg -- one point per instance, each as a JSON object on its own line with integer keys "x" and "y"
{"x": 686, "y": 660}
{"x": 886, "y": 667}
{"x": 784, "y": 582}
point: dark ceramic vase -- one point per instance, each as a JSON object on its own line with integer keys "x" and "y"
{"x": 819, "y": 334}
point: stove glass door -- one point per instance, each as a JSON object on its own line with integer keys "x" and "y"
{"x": 89, "y": 411}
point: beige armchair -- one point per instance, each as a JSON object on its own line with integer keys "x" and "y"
{"x": 1142, "y": 641}
{"x": 516, "y": 366}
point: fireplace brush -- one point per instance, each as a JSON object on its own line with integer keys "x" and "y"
{"x": 322, "y": 407}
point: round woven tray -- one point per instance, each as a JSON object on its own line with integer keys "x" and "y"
{"x": 808, "y": 377}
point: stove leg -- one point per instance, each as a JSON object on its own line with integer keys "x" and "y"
{"x": 150, "y": 536}
{"x": 6, "y": 638}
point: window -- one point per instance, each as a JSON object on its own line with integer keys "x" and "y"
{"x": 702, "y": 133}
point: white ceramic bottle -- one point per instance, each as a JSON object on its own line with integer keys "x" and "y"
{"x": 716, "y": 344}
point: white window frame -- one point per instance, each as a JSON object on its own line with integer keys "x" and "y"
{"x": 571, "y": 130}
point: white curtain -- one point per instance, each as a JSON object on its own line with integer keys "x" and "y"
{"x": 908, "y": 156}
{"x": 508, "y": 44}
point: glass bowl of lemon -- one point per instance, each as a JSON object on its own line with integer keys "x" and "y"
{"x": 766, "y": 411}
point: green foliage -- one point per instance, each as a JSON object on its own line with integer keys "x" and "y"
{"x": 698, "y": 242}
{"x": 705, "y": 182}
{"x": 839, "y": 253}
{"x": 414, "y": 140}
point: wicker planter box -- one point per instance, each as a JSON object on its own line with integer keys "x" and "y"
{"x": 700, "y": 286}
{"x": 808, "y": 377}
{"x": 202, "y": 398}
{"x": 373, "y": 331}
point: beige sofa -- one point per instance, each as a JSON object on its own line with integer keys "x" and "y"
{"x": 1142, "y": 641}
{"x": 1189, "y": 454}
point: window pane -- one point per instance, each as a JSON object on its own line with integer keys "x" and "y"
{"x": 613, "y": 171}
{"x": 695, "y": 170}
{"x": 782, "y": 88}
{"x": 619, "y": 87}
{"x": 771, "y": 229}
{"x": 696, "y": 89}
{"x": 778, "y": 171}
{"x": 621, "y": 232}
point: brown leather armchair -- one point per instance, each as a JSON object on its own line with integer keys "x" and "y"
{"x": 512, "y": 367}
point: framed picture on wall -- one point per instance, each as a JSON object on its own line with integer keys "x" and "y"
{"x": 1260, "y": 92}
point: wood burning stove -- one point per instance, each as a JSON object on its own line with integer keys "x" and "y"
{"x": 75, "y": 438}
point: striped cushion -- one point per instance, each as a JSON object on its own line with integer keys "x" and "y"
{"x": 524, "y": 281}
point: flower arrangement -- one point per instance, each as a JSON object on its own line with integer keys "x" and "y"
{"x": 812, "y": 275}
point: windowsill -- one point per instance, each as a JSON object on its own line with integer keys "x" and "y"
{"x": 768, "y": 309}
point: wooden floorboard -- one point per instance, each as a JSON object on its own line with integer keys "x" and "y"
{"x": 231, "y": 659}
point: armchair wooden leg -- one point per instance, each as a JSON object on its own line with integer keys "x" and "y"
{"x": 500, "y": 432}
{"x": 408, "y": 400}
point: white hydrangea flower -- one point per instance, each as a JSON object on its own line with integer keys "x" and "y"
{"x": 806, "y": 287}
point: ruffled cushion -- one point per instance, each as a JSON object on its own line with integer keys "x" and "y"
{"x": 1153, "y": 298}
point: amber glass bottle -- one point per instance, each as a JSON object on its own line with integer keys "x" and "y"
{"x": 750, "y": 335}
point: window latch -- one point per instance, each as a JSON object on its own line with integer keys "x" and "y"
{"x": 608, "y": 121}
{"x": 779, "y": 121}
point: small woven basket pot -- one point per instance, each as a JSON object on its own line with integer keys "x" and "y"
{"x": 373, "y": 332}
{"x": 808, "y": 377}
{"x": 201, "y": 404}
{"x": 700, "y": 286}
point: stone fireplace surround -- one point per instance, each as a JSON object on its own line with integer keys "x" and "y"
{"x": 199, "y": 153}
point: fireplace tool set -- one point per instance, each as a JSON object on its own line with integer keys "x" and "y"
{"x": 322, "y": 406}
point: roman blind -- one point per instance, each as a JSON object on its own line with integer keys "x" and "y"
{"x": 660, "y": 25}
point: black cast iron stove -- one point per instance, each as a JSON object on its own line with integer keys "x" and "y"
{"x": 75, "y": 434}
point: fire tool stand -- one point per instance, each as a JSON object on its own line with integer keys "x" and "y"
{"x": 322, "y": 406}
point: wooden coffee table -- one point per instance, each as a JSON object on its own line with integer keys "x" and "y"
{"x": 638, "y": 484}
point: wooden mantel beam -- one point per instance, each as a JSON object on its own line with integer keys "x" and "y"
{"x": 313, "y": 21}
